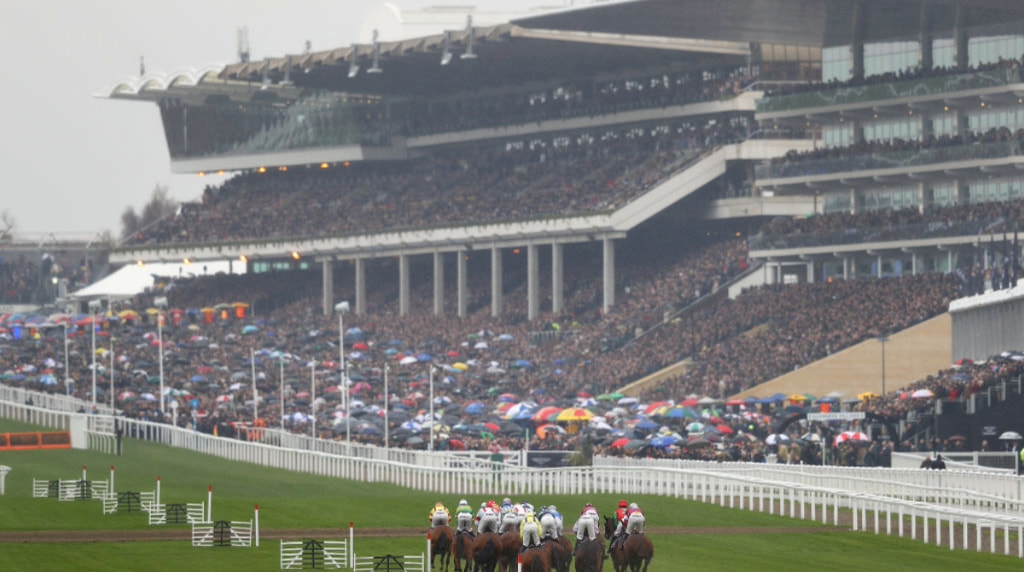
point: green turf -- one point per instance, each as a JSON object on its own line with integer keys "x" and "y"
{"x": 292, "y": 500}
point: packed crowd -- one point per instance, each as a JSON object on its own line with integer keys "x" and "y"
{"x": 575, "y": 175}
{"x": 916, "y": 73}
{"x": 860, "y": 155}
{"x": 29, "y": 278}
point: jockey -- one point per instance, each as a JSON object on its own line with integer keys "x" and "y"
{"x": 438, "y": 515}
{"x": 464, "y": 517}
{"x": 635, "y": 520}
{"x": 550, "y": 522}
{"x": 559, "y": 525}
{"x": 509, "y": 516}
{"x": 623, "y": 519}
{"x": 529, "y": 530}
{"x": 586, "y": 526}
{"x": 488, "y": 518}
{"x": 620, "y": 513}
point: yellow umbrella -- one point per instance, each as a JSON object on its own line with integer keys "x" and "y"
{"x": 867, "y": 395}
{"x": 575, "y": 414}
{"x": 460, "y": 366}
{"x": 128, "y": 314}
{"x": 152, "y": 311}
{"x": 797, "y": 397}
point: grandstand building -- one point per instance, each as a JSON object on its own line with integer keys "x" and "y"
{"x": 705, "y": 115}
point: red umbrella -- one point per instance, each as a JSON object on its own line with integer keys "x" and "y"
{"x": 584, "y": 395}
{"x": 453, "y": 353}
{"x": 619, "y": 443}
{"x": 691, "y": 402}
{"x": 655, "y": 406}
{"x": 456, "y": 445}
{"x": 360, "y": 346}
{"x": 546, "y": 412}
{"x": 492, "y": 426}
{"x": 715, "y": 420}
{"x": 725, "y": 430}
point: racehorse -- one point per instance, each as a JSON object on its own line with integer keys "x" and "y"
{"x": 559, "y": 553}
{"x": 486, "y": 549}
{"x": 639, "y": 551}
{"x": 462, "y": 550}
{"x": 536, "y": 560}
{"x": 441, "y": 545}
{"x": 589, "y": 556}
{"x": 509, "y": 544}
{"x": 618, "y": 556}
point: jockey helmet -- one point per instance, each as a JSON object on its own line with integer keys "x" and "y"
{"x": 589, "y": 505}
{"x": 463, "y": 501}
{"x": 439, "y": 504}
{"x": 623, "y": 504}
{"x": 506, "y": 500}
{"x": 633, "y": 505}
{"x": 553, "y": 508}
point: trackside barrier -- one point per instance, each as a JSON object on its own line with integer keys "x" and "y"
{"x": 391, "y": 563}
{"x": 795, "y": 491}
{"x": 178, "y": 513}
{"x": 302, "y": 554}
{"x": 236, "y": 533}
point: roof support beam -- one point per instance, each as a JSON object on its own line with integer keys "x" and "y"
{"x": 636, "y": 41}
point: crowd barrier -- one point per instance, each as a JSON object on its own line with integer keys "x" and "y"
{"x": 958, "y": 500}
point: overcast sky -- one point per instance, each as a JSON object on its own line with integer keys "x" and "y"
{"x": 72, "y": 162}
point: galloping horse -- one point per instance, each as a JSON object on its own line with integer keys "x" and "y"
{"x": 441, "y": 545}
{"x": 589, "y": 556}
{"x": 486, "y": 549}
{"x": 639, "y": 551}
{"x": 509, "y": 544}
{"x": 559, "y": 553}
{"x": 462, "y": 550}
{"x": 536, "y": 560}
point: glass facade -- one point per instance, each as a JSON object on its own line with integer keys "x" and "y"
{"x": 889, "y": 198}
{"x": 990, "y": 190}
{"x": 886, "y": 57}
{"x": 943, "y": 53}
{"x": 835, "y": 63}
{"x": 1011, "y": 117}
{"x": 907, "y": 129}
{"x": 991, "y": 49}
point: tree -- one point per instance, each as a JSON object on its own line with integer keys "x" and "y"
{"x": 7, "y": 224}
{"x": 159, "y": 206}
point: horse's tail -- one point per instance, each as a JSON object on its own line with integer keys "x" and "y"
{"x": 444, "y": 543}
{"x": 538, "y": 564}
{"x": 487, "y": 552}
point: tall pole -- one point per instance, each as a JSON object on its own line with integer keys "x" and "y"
{"x": 312, "y": 398}
{"x": 430, "y": 444}
{"x": 161, "y": 304}
{"x": 93, "y": 306}
{"x": 67, "y": 361}
{"x": 882, "y": 340}
{"x": 281, "y": 361}
{"x": 255, "y": 396}
{"x": 387, "y": 406}
{"x": 340, "y": 308}
{"x": 113, "y": 403}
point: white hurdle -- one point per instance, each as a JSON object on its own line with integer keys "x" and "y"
{"x": 239, "y": 533}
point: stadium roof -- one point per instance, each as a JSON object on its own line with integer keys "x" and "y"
{"x": 585, "y": 42}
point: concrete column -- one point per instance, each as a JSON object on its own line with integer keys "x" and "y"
{"x": 532, "y": 286}
{"x": 403, "y": 285}
{"x": 853, "y": 201}
{"x": 925, "y": 37}
{"x": 557, "y": 287}
{"x": 460, "y": 280}
{"x": 913, "y": 263}
{"x": 328, "y": 281}
{"x": 858, "y": 23}
{"x": 960, "y": 58}
{"x": 960, "y": 190}
{"x": 438, "y": 283}
{"x": 878, "y": 272}
{"x": 846, "y": 268}
{"x": 949, "y": 261}
{"x": 496, "y": 278}
{"x": 810, "y": 272}
{"x": 608, "y": 274}
{"x": 360, "y": 286}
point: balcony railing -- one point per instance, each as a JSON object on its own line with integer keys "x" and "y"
{"x": 889, "y": 160}
{"x": 938, "y": 229}
{"x": 891, "y": 90}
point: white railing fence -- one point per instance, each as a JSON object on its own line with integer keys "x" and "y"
{"x": 962, "y": 505}
{"x": 51, "y": 401}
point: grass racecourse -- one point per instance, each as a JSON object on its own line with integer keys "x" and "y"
{"x": 742, "y": 540}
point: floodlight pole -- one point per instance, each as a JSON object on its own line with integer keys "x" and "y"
{"x": 93, "y": 307}
{"x": 113, "y": 402}
{"x": 67, "y": 361}
{"x": 387, "y": 405}
{"x": 340, "y": 308}
{"x": 430, "y": 444}
{"x": 282, "y": 392}
{"x": 312, "y": 398}
{"x": 161, "y": 304}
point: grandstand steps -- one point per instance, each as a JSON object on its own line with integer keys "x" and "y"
{"x": 912, "y": 354}
{"x": 692, "y": 178}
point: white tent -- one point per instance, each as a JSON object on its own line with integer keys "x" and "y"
{"x": 126, "y": 282}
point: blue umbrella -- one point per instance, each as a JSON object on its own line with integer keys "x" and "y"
{"x": 522, "y": 363}
{"x": 475, "y": 408}
{"x": 48, "y": 379}
{"x": 391, "y": 351}
{"x": 506, "y": 337}
{"x": 250, "y": 329}
{"x": 647, "y": 424}
{"x": 353, "y": 332}
{"x": 424, "y": 357}
{"x": 197, "y": 379}
{"x": 664, "y": 441}
{"x": 394, "y": 343}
